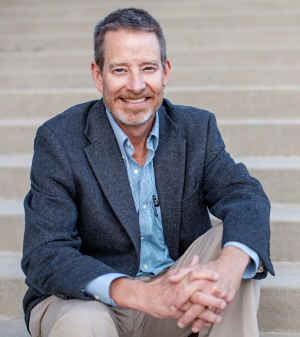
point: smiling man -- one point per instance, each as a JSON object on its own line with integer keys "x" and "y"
{"x": 118, "y": 240}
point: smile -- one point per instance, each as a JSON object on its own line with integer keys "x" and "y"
{"x": 140, "y": 100}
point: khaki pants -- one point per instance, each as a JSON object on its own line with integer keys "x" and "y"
{"x": 55, "y": 317}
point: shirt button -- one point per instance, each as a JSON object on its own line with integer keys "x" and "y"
{"x": 144, "y": 206}
{"x": 145, "y": 266}
{"x": 142, "y": 238}
{"x": 135, "y": 171}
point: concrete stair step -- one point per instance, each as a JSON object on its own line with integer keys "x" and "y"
{"x": 252, "y": 137}
{"x": 234, "y": 102}
{"x": 78, "y": 60}
{"x": 238, "y": 136}
{"x": 280, "y": 176}
{"x": 94, "y": 10}
{"x": 12, "y": 286}
{"x": 279, "y": 306}
{"x": 18, "y": 135}
{"x": 13, "y": 327}
{"x": 12, "y": 225}
{"x": 279, "y": 309}
{"x": 226, "y": 21}
{"x": 254, "y": 38}
{"x": 285, "y": 232}
{"x": 197, "y": 76}
{"x": 15, "y": 180}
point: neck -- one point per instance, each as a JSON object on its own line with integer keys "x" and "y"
{"x": 138, "y": 137}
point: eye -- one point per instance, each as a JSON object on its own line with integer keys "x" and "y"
{"x": 119, "y": 70}
{"x": 149, "y": 68}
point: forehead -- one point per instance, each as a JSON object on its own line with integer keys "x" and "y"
{"x": 129, "y": 46}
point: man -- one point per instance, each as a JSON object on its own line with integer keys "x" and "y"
{"x": 118, "y": 240}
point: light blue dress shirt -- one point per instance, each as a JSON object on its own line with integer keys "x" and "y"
{"x": 154, "y": 252}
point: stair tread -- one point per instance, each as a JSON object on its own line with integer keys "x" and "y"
{"x": 287, "y": 276}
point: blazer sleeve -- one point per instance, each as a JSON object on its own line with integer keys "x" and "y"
{"x": 52, "y": 261}
{"x": 237, "y": 198}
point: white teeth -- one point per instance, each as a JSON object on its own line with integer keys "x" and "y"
{"x": 135, "y": 100}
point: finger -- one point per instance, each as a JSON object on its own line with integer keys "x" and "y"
{"x": 198, "y": 312}
{"x": 210, "y": 317}
{"x": 208, "y": 300}
{"x": 186, "y": 290}
{"x": 230, "y": 296}
{"x": 176, "y": 314}
{"x": 219, "y": 291}
{"x": 180, "y": 274}
{"x": 197, "y": 274}
{"x": 190, "y": 275}
{"x": 198, "y": 324}
{"x": 189, "y": 316}
{"x": 186, "y": 306}
{"x": 186, "y": 269}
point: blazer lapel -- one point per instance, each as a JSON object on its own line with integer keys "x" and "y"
{"x": 169, "y": 164}
{"x": 109, "y": 168}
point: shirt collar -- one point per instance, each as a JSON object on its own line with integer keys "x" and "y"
{"x": 122, "y": 138}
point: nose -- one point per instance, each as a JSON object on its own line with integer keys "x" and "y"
{"x": 136, "y": 82}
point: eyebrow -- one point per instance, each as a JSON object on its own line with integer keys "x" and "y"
{"x": 113, "y": 65}
{"x": 116, "y": 64}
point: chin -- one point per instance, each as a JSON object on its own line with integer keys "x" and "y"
{"x": 137, "y": 120}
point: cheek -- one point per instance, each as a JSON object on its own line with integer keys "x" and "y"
{"x": 112, "y": 87}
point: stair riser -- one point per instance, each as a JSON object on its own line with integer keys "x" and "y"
{"x": 225, "y": 103}
{"x": 280, "y": 310}
{"x": 95, "y": 10}
{"x": 12, "y": 232}
{"x": 14, "y": 182}
{"x": 188, "y": 38}
{"x": 280, "y": 185}
{"x": 169, "y": 24}
{"x": 11, "y": 295}
{"x": 285, "y": 241}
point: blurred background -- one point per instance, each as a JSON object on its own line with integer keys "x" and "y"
{"x": 236, "y": 58}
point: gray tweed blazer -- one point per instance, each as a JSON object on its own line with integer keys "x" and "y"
{"x": 80, "y": 219}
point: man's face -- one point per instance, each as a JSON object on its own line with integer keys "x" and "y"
{"x": 132, "y": 79}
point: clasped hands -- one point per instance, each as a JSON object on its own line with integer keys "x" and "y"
{"x": 196, "y": 294}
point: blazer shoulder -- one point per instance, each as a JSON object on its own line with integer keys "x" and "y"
{"x": 190, "y": 120}
{"x": 75, "y": 115}
{"x": 69, "y": 125}
{"x": 182, "y": 113}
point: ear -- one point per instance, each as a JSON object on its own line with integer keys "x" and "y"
{"x": 167, "y": 71}
{"x": 97, "y": 76}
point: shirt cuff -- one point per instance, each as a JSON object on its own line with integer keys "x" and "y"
{"x": 253, "y": 265}
{"x": 99, "y": 288}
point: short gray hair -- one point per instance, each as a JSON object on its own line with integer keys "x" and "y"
{"x": 131, "y": 19}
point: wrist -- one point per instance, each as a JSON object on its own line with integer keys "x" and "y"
{"x": 236, "y": 257}
{"x": 126, "y": 292}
